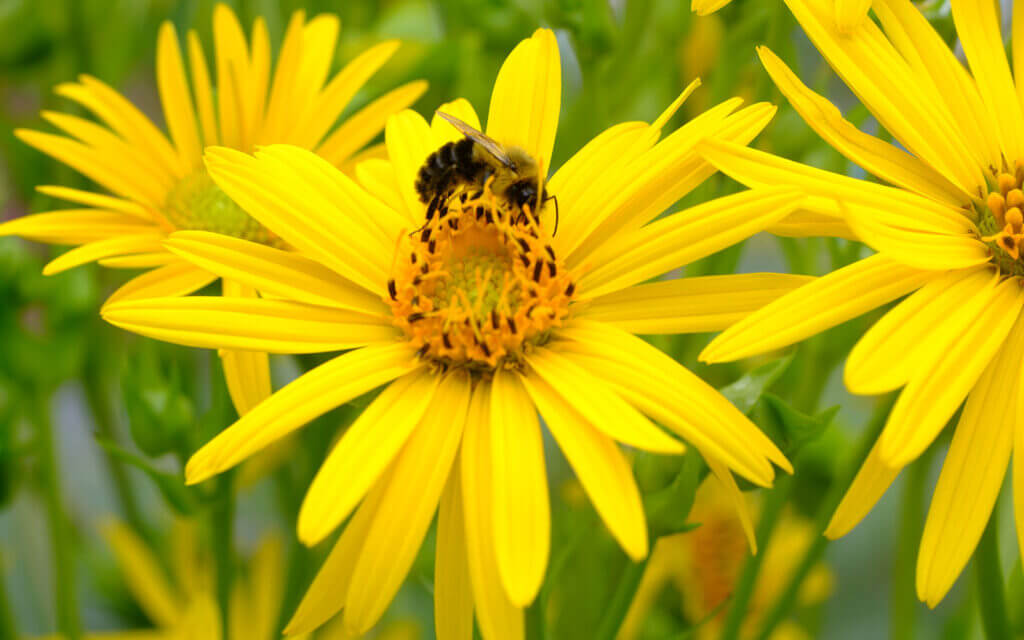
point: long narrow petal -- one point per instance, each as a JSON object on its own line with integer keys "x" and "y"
{"x": 736, "y": 497}
{"x": 232, "y": 60}
{"x": 812, "y": 224}
{"x": 599, "y": 465}
{"x": 527, "y": 97}
{"x": 280, "y": 106}
{"x": 316, "y": 392}
{"x": 179, "y": 279}
{"x": 115, "y": 246}
{"x": 675, "y": 397}
{"x": 822, "y": 304}
{"x": 690, "y": 305}
{"x": 203, "y": 90}
{"x": 175, "y": 97}
{"x": 871, "y": 481}
{"x": 522, "y": 515}
{"x": 973, "y": 472}
{"x": 274, "y": 326}
{"x": 408, "y": 505}
{"x": 599, "y": 404}
{"x": 410, "y": 141}
{"x": 686, "y": 236}
{"x": 946, "y": 375}
{"x": 850, "y": 13}
{"x": 326, "y": 596}
{"x": 497, "y": 617}
{"x": 879, "y": 158}
{"x": 247, "y": 373}
{"x": 74, "y": 226}
{"x": 916, "y": 247}
{"x": 150, "y": 260}
{"x": 97, "y": 201}
{"x": 362, "y": 454}
{"x": 286, "y": 274}
{"x": 453, "y": 593}
{"x": 891, "y": 351}
{"x": 143, "y": 574}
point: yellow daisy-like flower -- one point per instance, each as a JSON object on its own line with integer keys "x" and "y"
{"x": 183, "y": 605}
{"x": 947, "y": 232}
{"x": 848, "y": 13}
{"x": 704, "y": 565}
{"x": 475, "y": 317}
{"x": 159, "y": 186}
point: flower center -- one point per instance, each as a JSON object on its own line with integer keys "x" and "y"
{"x": 1002, "y": 221}
{"x": 478, "y": 285}
{"x": 196, "y": 203}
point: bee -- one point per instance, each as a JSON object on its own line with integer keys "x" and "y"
{"x": 472, "y": 161}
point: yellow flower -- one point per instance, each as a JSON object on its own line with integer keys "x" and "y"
{"x": 848, "y": 13}
{"x": 183, "y": 606}
{"x": 946, "y": 232}
{"x": 475, "y": 317}
{"x": 704, "y": 565}
{"x": 160, "y": 185}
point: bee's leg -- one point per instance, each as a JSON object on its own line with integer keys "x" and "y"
{"x": 555, "y": 198}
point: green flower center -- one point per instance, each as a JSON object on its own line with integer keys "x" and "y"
{"x": 196, "y": 203}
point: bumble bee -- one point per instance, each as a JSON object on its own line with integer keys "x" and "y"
{"x": 473, "y": 161}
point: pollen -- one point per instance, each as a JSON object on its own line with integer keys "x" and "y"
{"x": 1002, "y": 221}
{"x": 196, "y": 203}
{"x": 478, "y": 285}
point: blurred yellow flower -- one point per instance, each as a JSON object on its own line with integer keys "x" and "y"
{"x": 183, "y": 606}
{"x": 703, "y": 566}
{"x": 476, "y": 316}
{"x": 947, "y": 232}
{"x": 848, "y": 13}
{"x": 160, "y": 186}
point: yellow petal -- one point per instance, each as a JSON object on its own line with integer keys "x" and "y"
{"x": 314, "y": 393}
{"x": 286, "y": 274}
{"x": 258, "y": 80}
{"x": 362, "y": 454}
{"x": 152, "y": 260}
{"x": 443, "y": 131}
{"x": 74, "y": 226}
{"x": 689, "y": 305}
{"x": 410, "y": 141}
{"x": 203, "y": 91}
{"x": 892, "y": 350}
{"x": 174, "y": 95}
{"x": 973, "y": 472}
{"x": 871, "y": 481}
{"x": 280, "y": 103}
{"x": 453, "y": 593}
{"x": 706, "y": 7}
{"x": 850, "y": 13}
{"x": 143, "y": 575}
{"x": 830, "y": 300}
{"x": 97, "y": 200}
{"x": 880, "y": 158}
{"x": 599, "y": 465}
{"x": 267, "y": 587}
{"x": 497, "y": 617}
{"x": 947, "y": 372}
{"x": 364, "y": 125}
{"x": 329, "y": 590}
{"x": 272, "y": 192}
{"x": 274, "y": 326}
{"x": 677, "y": 398}
{"x": 522, "y": 516}
{"x": 599, "y": 404}
{"x": 247, "y": 372}
{"x": 408, "y": 504}
{"x": 683, "y": 237}
{"x": 173, "y": 280}
{"x": 811, "y": 224}
{"x": 736, "y": 497}
{"x": 978, "y": 27}
{"x": 232, "y": 60}
{"x": 118, "y": 245}
{"x": 377, "y": 175}
{"x": 527, "y": 97}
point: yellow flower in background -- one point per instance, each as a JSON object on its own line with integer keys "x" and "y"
{"x": 704, "y": 565}
{"x": 183, "y": 605}
{"x": 947, "y": 232}
{"x": 159, "y": 186}
{"x": 848, "y": 13}
{"x": 475, "y": 316}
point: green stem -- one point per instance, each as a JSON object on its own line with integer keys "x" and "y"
{"x": 787, "y": 597}
{"x": 773, "y": 506}
{"x": 629, "y": 581}
{"x": 989, "y": 573}
{"x": 222, "y": 522}
{"x": 103, "y": 417}
{"x": 68, "y": 621}
{"x": 903, "y": 617}
{"x": 7, "y": 627}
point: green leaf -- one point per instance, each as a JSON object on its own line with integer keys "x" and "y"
{"x": 789, "y": 428}
{"x": 745, "y": 392}
{"x": 668, "y": 509}
{"x": 171, "y": 485}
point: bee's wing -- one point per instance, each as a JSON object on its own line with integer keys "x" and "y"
{"x": 489, "y": 144}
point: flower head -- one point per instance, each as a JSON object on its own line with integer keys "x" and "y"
{"x": 158, "y": 185}
{"x": 946, "y": 232}
{"x": 475, "y": 317}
